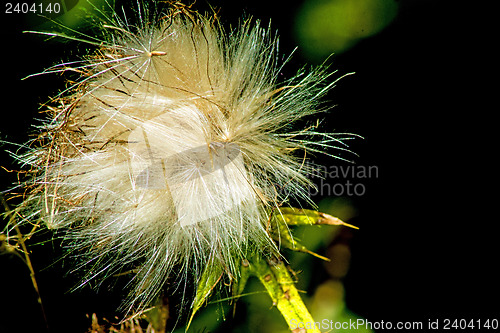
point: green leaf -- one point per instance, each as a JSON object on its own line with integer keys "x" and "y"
{"x": 208, "y": 280}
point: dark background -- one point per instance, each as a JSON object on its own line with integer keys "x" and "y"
{"x": 428, "y": 243}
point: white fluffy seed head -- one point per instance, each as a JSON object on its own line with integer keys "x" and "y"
{"x": 172, "y": 148}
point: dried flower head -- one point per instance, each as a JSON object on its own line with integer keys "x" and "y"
{"x": 172, "y": 148}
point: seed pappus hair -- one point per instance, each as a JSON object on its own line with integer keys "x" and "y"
{"x": 172, "y": 148}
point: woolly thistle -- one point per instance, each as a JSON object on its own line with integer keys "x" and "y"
{"x": 172, "y": 148}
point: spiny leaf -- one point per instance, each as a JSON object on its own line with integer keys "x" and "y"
{"x": 283, "y": 236}
{"x": 298, "y": 216}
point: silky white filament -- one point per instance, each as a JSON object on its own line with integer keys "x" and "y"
{"x": 172, "y": 148}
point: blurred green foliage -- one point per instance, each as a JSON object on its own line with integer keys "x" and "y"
{"x": 324, "y": 27}
{"x": 50, "y": 15}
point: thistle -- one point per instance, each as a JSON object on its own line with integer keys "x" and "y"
{"x": 174, "y": 150}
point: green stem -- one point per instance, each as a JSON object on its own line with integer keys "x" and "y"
{"x": 281, "y": 288}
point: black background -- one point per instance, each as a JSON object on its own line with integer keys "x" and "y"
{"x": 428, "y": 243}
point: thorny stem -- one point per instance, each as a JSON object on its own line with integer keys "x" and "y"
{"x": 281, "y": 288}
